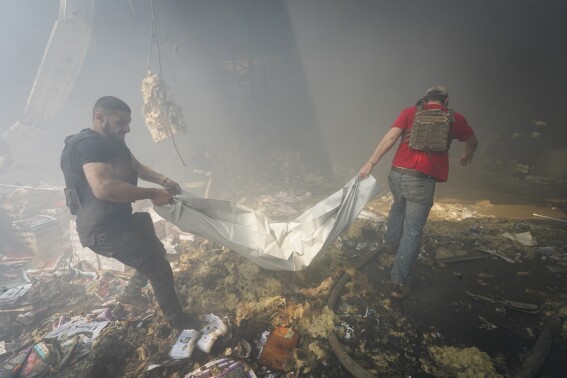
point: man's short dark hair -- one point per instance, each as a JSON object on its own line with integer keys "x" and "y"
{"x": 110, "y": 104}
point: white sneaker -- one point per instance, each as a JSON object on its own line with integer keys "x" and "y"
{"x": 185, "y": 344}
{"x": 213, "y": 329}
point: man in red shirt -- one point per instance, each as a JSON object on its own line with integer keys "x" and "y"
{"x": 415, "y": 170}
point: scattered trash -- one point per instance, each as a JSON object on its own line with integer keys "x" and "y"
{"x": 12, "y": 276}
{"x": 13, "y": 366}
{"x": 444, "y": 255}
{"x": 476, "y": 229}
{"x": 277, "y": 353}
{"x": 85, "y": 254}
{"x": 40, "y": 234}
{"x": 11, "y": 296}
{"x": 42, "y": 356}
{"x": 242, "y": 350}
{"x": 367, "y": 215}
{"x": 550, "y": 218}
{"x": 501, "y": 255}
{"x": 522, "y": 227}
{"x": 364, "y": 246}
{"x": 152, "y": 365}
{"x": 78, "y": 325}
{"x": 349, "y": 332}
{"x": 262, "y": 341}
{"x": 486, "y": 324}
{"x": 452, "y": 211}
{"x": 29, "y": 316}
{"x": 198, "y": 265}
{"x": 524, "y": 238}
{"x": 110, "y": 285}
{"x": 369, "y": 312}
{"x": 512, "y": 305}
{"x": 223, "y": 368}
{"x": 104, "y": 314}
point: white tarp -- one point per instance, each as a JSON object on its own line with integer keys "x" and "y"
{"x": 276, "y": 246}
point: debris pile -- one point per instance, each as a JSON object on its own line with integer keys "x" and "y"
{"x": 263, "y": 323}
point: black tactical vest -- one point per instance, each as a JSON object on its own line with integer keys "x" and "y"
{"x": 430, "y": 130}
{"x": 94, "y": 214}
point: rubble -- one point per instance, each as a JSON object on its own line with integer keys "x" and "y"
{"x": 277, "y": 353}
{"x": 381, "y": 335}
{"x": 460, "y": 362}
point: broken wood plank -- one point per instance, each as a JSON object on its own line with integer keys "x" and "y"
{"x": 529, "y": 308}
{"x": 550, "y": 218}
{"x": 535, "y": 359}
{"x": 461, "y": 258}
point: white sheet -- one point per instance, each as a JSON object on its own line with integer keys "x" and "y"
{"x": 275, "y": 246}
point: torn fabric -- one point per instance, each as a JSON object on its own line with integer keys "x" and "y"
{"x": 275, "y": 246}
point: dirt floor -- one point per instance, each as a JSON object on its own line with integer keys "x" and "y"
{"x": 477, "y": 308}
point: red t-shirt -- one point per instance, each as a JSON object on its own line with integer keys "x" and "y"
{"x": 434, "y": 164}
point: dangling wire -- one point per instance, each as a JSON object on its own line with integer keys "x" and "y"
{"x": 155, "y": 39}
{"x": 132, "y": 8}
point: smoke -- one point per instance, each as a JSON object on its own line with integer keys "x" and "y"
{"x": 325, "y": 78}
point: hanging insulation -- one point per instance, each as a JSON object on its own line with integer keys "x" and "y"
{"x": 162, "y": 115}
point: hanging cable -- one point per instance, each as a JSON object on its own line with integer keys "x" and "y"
{"x": 132, "y": 8}
{"x": 155, "y": 39}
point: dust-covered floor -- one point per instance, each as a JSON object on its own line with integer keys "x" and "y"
{"x": 479, "y": 302}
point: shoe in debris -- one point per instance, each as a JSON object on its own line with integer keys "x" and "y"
{"x": 134, "y": 298}
{"x": 399, "y": 291}
{"x": 185, "y": 344}
{"x": 213, "y": 329}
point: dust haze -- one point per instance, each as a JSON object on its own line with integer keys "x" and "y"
{"x": 324, "y": 79}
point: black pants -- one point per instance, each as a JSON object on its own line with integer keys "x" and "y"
{"x": 133, "y": 242}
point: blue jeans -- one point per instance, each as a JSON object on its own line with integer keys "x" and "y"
{"x": 413, "y": 198}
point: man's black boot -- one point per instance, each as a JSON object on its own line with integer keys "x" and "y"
{"x": 133, "y": 296}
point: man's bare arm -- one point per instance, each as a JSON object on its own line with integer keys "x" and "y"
{"x": 106, "y": 186}
{"x": 471, "y": 145}
{"x": 385, "y": 145}
{"x": 147, "y": 174}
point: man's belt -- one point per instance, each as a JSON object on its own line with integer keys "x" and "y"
{"x": 412, "y": 172}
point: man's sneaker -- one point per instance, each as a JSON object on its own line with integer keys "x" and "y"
{"x": 185, "y": 344}
{"x": 186, "y": 321}
{"x": 134, "y": 298}
{"x": 399, "y": 291}
{"x": 213, "y": 329}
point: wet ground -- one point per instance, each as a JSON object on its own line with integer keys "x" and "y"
{"x": 441, "y": 310}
